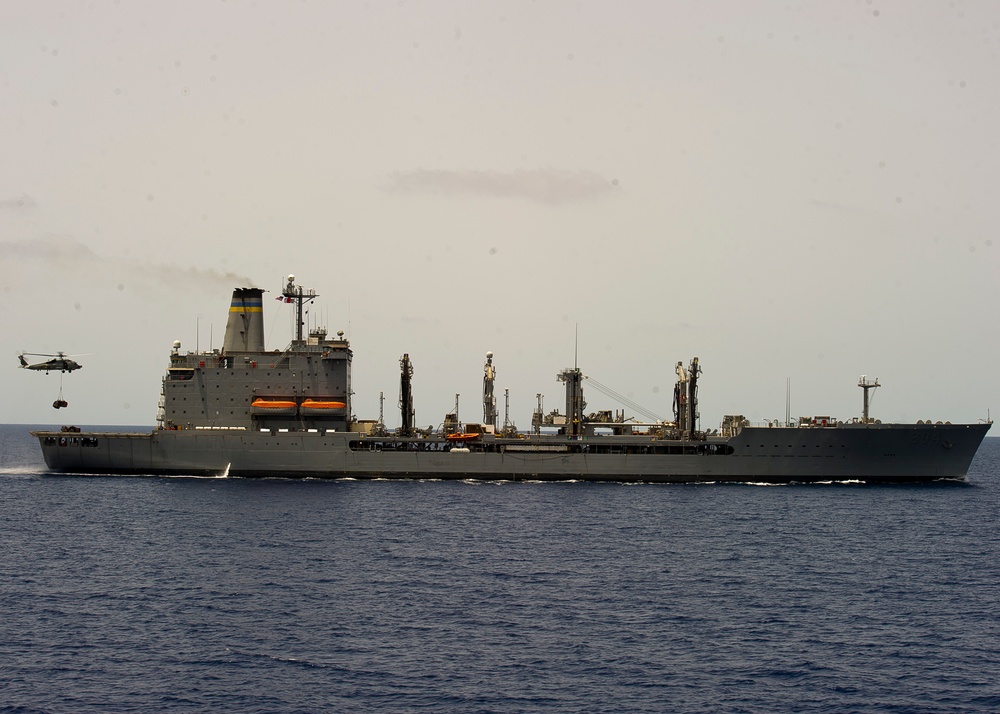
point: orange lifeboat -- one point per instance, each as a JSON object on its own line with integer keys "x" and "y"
{"x": 462, "y": 437}
{"x": 322, "y": 404}
{"x": 272, "y": 404}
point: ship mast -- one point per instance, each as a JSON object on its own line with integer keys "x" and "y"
{"x": 866, "y": 385}
{"x": 508, "y": 429}
{"x": 295, "y": 293}
{"x": 575, "y": 403}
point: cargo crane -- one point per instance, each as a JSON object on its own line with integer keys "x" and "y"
{"x": 489, "y": 400}
{"x": 406, "y": 395}
{"x": 686, "y": 398}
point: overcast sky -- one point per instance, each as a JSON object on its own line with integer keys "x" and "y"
{"x": 789, "y": 191}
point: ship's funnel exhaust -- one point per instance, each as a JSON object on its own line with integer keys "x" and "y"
{"x": 245, "y": 328}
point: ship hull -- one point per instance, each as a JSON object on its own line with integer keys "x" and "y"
{"x": 871, "y": 453}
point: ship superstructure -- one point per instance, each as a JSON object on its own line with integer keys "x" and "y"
{"x": 245, "y": 411}
{"x": 243, "y": 386}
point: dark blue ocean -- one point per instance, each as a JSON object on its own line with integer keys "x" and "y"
{"x": 196, "y": 595}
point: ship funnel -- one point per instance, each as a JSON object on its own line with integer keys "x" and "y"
{"x": 245, "y": 328}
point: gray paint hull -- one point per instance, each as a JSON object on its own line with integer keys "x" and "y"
{"x": 874, "y": 452}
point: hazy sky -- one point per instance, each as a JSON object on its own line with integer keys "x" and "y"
{"x": 789, "y": 191}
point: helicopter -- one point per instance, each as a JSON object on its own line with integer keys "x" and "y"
{"x": 59, "y": 363}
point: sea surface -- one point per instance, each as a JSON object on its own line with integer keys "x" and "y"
{"x": 195, "y": 595}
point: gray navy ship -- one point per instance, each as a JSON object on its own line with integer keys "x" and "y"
{"x": 244, "y": 411}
